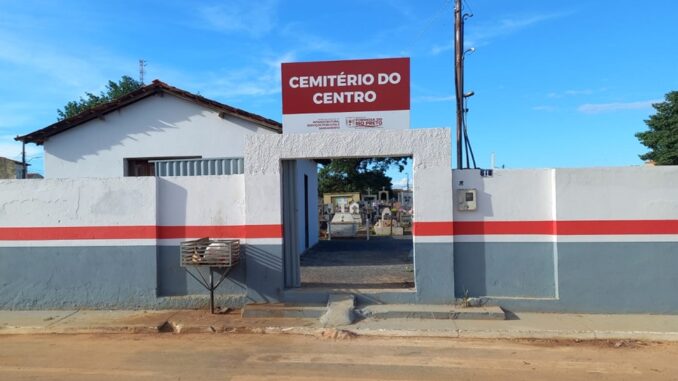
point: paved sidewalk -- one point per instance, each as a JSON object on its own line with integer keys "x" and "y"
{"x": 525, "y": 325}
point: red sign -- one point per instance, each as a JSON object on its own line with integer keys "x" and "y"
{"x": 346, "y": 86}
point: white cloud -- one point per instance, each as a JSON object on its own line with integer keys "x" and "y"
{"x": 572, "y": 93}
{"x": 400, "y": 183}
{"x": 255, "y": 18}
{"x": 596, "y": 108}
{"x": 245, "y": 82}
{"x": 55, "y": 62}
{"x": 479, "y": 35}
{"x": 437, "y": 49}
{"x": 11, "y": 149}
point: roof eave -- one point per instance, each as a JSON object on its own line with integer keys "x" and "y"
{"x": 40, "y": 136}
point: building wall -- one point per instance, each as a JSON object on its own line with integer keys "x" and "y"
{"x": 72, "y": 242}
{"x": 196, "y": 207}
{"x": 575, "y": 240}
{"x": 9, "y": 169}
{"x": 157, "y": 126}
{"x": 569, "y": 240}
{"x": 114, "y": 242}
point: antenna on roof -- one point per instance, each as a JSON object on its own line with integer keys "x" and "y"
{"x": 142, "y": 71}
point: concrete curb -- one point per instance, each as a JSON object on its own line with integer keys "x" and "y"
{"x": 318, "y": 331}
{"x": 530, "y": 326}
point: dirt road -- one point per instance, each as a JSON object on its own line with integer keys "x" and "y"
{"x": 286, "y": 357}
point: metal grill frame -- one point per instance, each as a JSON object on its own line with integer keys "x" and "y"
{"x": 200, "y": 252}
{"x": 194, "y": 255}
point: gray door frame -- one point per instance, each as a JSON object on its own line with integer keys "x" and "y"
{"x": 290, "y": 227}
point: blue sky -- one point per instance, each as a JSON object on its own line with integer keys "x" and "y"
{"x": 557, "y": 83}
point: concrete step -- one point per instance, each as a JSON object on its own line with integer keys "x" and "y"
{"x": 362, "y": 295}
{"x": 340, "y": 310}
{"x": 283, "y": 310}
{"x": 430, "y": 311}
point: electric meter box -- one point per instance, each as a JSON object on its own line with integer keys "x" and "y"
{"x": 467, "y": 199}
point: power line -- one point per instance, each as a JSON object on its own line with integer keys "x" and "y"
{"x": 429, "y": 22}
{"x": 468, "y": 6}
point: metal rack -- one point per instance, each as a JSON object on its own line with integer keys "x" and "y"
{"x": 213, "y": 254}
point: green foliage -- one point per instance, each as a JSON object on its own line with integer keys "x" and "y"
{"x": 114, "y": 90}
{"x": 662, "y": 137}
{"x": 357, "y": 175}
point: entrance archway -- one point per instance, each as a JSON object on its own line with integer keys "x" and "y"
{"x": 267, "y": 266}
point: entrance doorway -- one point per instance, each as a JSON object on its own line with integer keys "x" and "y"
{"x": 362, "y": 236}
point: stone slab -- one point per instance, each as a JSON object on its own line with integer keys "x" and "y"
{"x": 112, "y": 321}
{"x": 340, "y": 310}
{"x": 31, "y": 321}
{"x": 281, "y": 310}
{"x": 424, "y": 311}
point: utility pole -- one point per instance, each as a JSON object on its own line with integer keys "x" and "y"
{"x": 459, "y": 75}
{"x": 24, "y": 170}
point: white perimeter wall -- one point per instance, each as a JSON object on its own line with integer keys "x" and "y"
{"x": 217, "y": 202}
{"x": 157, "y": 126}
{"x": 515, "y": 195}
{"x": 201, "y": 200}
{"x": 615, "y": 193}
{"x": 77, "y": 202}
{"x": 637, "y": 193}
{"x": 626, "y": 193}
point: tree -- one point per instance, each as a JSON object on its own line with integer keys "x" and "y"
{"x": 662, "y": 138}
{"x": 113, "y": 91}
{"x": 357, "y": 175}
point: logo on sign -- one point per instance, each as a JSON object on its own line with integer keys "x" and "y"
{"x": 359, "y": 122}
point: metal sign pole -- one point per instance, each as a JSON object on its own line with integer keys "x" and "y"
{"x": 212, "y": 289}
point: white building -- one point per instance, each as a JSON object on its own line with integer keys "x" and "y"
{"x": 155, "y": 122}
{"x": 161, "y": 130}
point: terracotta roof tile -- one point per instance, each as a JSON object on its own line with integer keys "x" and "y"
{"x": 156, "y": 87}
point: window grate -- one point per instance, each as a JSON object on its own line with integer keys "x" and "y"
{"x": 200, "y": 167}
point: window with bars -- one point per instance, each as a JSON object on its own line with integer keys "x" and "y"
{"x": 199, "y": 167}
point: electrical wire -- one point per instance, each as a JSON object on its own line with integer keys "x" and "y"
{"x": 467, "y": 141}
{"x": 468, "y": 6}
{"x": 428, "y": 23}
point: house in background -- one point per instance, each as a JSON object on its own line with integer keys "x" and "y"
{"x": 11, "y": 169}
{"x": 157, "y": 122}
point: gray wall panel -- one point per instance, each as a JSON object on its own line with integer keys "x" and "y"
{"x": 264, "y": 273}
{"x": 434, "y": 272}
{"x": 619, "y": 277}
{"x": 506, "y": 269}
{"x": 74, "y": 277}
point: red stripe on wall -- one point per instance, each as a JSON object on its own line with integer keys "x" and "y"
{"x": 504, "y": 227}
{"x": 590, "y": 227}
{"x": 611, "y": 227}
{"x": 137, "y": 232}
{"x": 432, "y": 228}
{"x": 444, "y": 228}
{"x": 76, "y": 232}
{"x": 234, "y": 231}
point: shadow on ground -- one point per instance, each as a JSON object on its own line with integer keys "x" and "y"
{"x": 381, "y": 262}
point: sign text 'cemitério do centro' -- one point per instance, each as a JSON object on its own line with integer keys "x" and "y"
{"x": 346, "y": 95}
